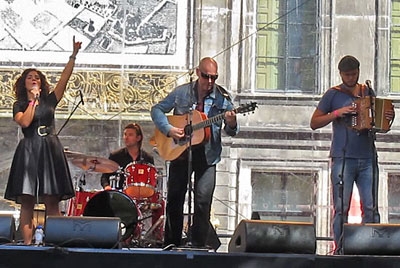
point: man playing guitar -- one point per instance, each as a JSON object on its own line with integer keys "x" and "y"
{"x": 205, "y": 96}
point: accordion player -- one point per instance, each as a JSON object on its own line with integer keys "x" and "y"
{"x": 370, "y": 114}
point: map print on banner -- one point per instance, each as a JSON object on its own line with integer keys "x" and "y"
{"x": 130, "y": 26}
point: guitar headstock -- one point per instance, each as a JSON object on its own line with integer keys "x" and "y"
{"x": 245, "y": 108}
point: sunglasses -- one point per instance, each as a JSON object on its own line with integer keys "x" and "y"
{"x": 209, "y": 76}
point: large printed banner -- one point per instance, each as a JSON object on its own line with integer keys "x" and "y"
{"x": 133, "y": 51}
{"x": 129, "y": 32}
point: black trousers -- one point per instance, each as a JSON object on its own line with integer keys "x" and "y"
{"x": 204, "y": 185}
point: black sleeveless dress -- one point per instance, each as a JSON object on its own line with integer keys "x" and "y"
{"x": 39, "y": 166}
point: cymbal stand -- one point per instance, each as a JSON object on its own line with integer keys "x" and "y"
{"x": 80, "y": 181}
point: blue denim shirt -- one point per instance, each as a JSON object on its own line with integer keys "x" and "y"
{"x": 179, "y": 100}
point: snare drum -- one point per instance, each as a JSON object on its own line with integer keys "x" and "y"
{"x": 141, "y": 180}
{"x": 114, "y": 204}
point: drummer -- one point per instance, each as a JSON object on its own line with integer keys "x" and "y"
{"x": 132, "y": 152}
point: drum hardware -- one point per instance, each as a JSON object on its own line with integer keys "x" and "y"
{"x": 115, "y": 179}
{"x": 144, "y": 218}
{"x": 152, "y": 228}
{"x": 158, "y": 224}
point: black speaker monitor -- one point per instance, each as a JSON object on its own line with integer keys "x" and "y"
{"x": 100, "y": 232}
{"x": 273, "y": 237}
{"x": 371, "y": 239}
{"x": 7, "y": 228}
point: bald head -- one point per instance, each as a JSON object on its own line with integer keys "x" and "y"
{"x": 208, "y": 63}
{"x": 207, "y": 72}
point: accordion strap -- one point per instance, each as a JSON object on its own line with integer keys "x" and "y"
{"x": 362, "y": 87}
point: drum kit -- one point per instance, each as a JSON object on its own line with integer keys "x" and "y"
{"x": 139, "y": 203}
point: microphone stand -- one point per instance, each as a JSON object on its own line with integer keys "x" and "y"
{"x": 69, "y": 117}
{"x": 188, "y": 133}
{"x": 339, "y": 248}
{"x": 372, "y": 135}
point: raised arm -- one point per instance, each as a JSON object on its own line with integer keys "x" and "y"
{"x": 66, "y": 74}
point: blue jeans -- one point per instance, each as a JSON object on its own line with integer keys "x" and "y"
{"x": 360, "y": 171}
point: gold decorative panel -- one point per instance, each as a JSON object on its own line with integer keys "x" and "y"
{"x": 106, "y": 93}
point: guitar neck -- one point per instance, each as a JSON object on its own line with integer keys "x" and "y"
{"x": 208, "y": 122}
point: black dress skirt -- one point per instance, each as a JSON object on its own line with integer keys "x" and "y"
{"x": 39, "y": 166}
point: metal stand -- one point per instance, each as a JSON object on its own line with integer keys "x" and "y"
{"x": 339, "y": 249}
{"x": 372, "y": 135}
{"x": 188, "y": 134}
{"x": 69, "y": 117}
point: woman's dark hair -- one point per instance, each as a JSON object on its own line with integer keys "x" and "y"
{"x": 138, "y": 130}
{"x": 20, "y": 89}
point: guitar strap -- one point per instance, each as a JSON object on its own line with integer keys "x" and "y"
{"x": 224, "y": 92}
{"x": 220, "y": 89}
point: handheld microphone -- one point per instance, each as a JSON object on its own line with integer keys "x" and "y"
{"x": 34, "y": 87}
{"x": 80, "y": 93}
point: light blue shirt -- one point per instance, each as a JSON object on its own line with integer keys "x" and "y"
{"x": 179, "y": 100}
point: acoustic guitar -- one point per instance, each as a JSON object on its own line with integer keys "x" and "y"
{"x": 170, "y": 148}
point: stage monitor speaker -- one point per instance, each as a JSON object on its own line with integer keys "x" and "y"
{"x": 99, "y": 232}
{"x": 7, "y": 228}
{"x": 273, "y": 237}
{"x": 371, "y": 239}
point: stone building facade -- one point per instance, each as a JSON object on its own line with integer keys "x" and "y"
{"x": 281, "y": 54}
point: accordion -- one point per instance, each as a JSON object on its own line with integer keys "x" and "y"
{"x": 370, "y": 114}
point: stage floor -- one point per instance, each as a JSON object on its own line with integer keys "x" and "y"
{"x": 26, "y": 256}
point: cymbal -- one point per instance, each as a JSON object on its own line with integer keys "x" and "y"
{"x": 72, "y": 155}
{"x": 95, "y": 164}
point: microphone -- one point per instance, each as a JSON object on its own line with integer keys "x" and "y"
{"x": 80, "y": 93}
{"x": 370, "y": 89}
{"x": 35, "y": 87}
